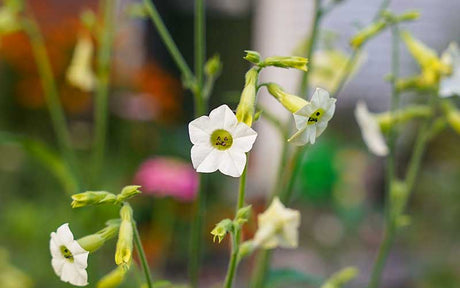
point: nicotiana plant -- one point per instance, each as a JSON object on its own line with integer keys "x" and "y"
{"x": 223, "y": 140}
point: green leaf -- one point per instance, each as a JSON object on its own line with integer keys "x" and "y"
{"x": 286, "y": 277}
{"x": 46, "y": 157}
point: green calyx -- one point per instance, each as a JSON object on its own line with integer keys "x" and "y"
{"x": 221, "y": 139}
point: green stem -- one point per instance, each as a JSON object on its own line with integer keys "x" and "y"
{"x": 294, "y": 167}
{"x": 236, "y": 239}
{"x": 50, "y": 90}
{"x": 200, "y": 109}
{"x": 168, "y": 41}
{"x": 311, "y": 47}
{"x": 261, "y": 269}
{"x": 102, "y": 89}
{"x": 141, "y": 253}
{"x": 385, "y": 246}
{"x": 197, "y": 227}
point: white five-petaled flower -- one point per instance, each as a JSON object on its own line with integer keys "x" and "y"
{"x": 450, "y": 85}
{"x": 370, "y": 129}
{"x": 278, "y": 226}
{"x": 220, "y": 142}
{"x": 69, "y": 258}
{"x": 80, "y": 74}
{"x": 311, "y": 120}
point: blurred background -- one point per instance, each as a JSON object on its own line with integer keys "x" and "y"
{"x": 340, "y": 191}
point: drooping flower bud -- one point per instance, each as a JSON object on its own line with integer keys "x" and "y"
{"x": 124, "y": 249}
{"x": 221, "y": 229}
{"x": 243, "y": 214}
{"x": 290, "y": 102}
{"x": 94, "y": 241}
{"x": 252, "y": 56}
{"x": 246, "y": 107}
{"x": 213, "y": 66}
{"x": 128, "y": 192}
{"x": 113, "y": 279}
{"x": 92, "y": 198}
{"x": 367, "y": 33}
{"x": 295, "y": 62}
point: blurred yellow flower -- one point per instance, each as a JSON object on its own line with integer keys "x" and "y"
{"x": 80, "y": 73}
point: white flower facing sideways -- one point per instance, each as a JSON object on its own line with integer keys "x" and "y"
{"x": 370, "y": 129}
{"x": 69, "y": 258}
{"x": 278, "y": 226}
{"x": 220, "y": 142}
{"x": 311, "y": 120}
{"x": 80, "y": 74}
{"x": 450, "y": 85}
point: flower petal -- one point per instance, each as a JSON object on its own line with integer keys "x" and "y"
{"x": 232, "y": 163}
{"x": 58, "y": 264}
{"x": 54, "y": 246}
{"x": 64, "y": 234}
{"x": 200, "y": 130}
{"x": 223, "y": 117}
{"x": 81, "y": 260}
{"x": 243, "y": 137}
{"x": 75, "y": 276}
{"x": 205, "y": 158}
{"x": 370, "y": 130}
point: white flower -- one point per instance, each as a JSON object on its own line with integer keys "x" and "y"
{"x": 450, "y": 85}
{"x": 312, "y": 119}
{"x": 220, "y": 142}
{"x": 80, "y": 73}
{"x": 69, "y": 258}
{"x": 370, "y": 130}
{"x": 278, "y": 226}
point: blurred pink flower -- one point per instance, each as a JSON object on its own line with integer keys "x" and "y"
{"x": 167, "y": 176}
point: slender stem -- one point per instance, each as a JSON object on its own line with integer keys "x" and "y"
{"x": 168, "y": 41}
{"x": 200, "y": 109}
{"x": 102, "y": 89}
{"x": 385, "y": 246}
{"x": 261, "y": 269}
{"x": 311, "y": 47}
{"x": 236, "y": 239}
{"x": 141, "y": 253}
{"x": 294, "y": 167}
{"x": 197, "y": 227}
{"x": 50, "y": 90}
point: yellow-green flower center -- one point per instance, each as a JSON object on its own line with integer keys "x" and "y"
{"x": 66, "y": 253}
{"x": 316, "y": 116}
{"x": 221, "y": 139}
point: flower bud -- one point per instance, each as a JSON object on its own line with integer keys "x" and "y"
{"x": 128, "y": 192}
{"x": 243, "y": 214}
{"x": 453, "y": 117}
{"x": 124, "y": 249}
{"x": 387, "y": 120}
{"x": 408, "y": 16}
{"x": 94, "y": 241}
{"x": 398, "y": 199}
{"x": 112, "y": 279}
{"x": 92, "y": 198}
{"x": 367, "y": 33}
{"x": 252, "y": 56}
{"x": 80, "y": 73}
{"x": 295, "y": 62}
{"x": 221, "y": 229}
{"x": 246, "y": 249}
{"x": 246, "y": 107}
{"x": 339, "y": 279}
{"x": 290, "y": 102}
{"x": 89, "y": 19}
{"x": 213, "y": 66}
{"x": 9, "y": 21}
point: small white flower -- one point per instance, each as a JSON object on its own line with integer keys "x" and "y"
{"x": 370, "y": 129}
{"x": 312, "y": 119}
{"x": 69, "y": 258}
{"x": 80, "y": 73}
{"x": 220, "y": 142}
{"x": 450, "y": 85}
{"x": 278, "y": 226}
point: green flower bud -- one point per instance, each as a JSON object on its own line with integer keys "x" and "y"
{"x": 92, "y": 198}
{"x": 295, "y": 62}
{"x": 94, "y": 241}
{"x": 341, "y": 278}
{"x": 252, "y": 56}
{"x": 367, "y": 33}
{"x": 387, "y": 120}
{"x": 221, "y": 229}
{"x": 9, "y": 21}
{"x": 124, "y": 249}
{"x": 243, "y": 214}
{"x": 398, "y": 199}
{"x": 113, "y": 279}
{"x": 213, "y": 66}
{"x": 88, "y": 18}
{"x": 408, "y": 16}
{"x": 290, "y": 102}
{"x": 246, "y": 249}
{"x": 246, "y": 107}
{"x": 128, "y": 192}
